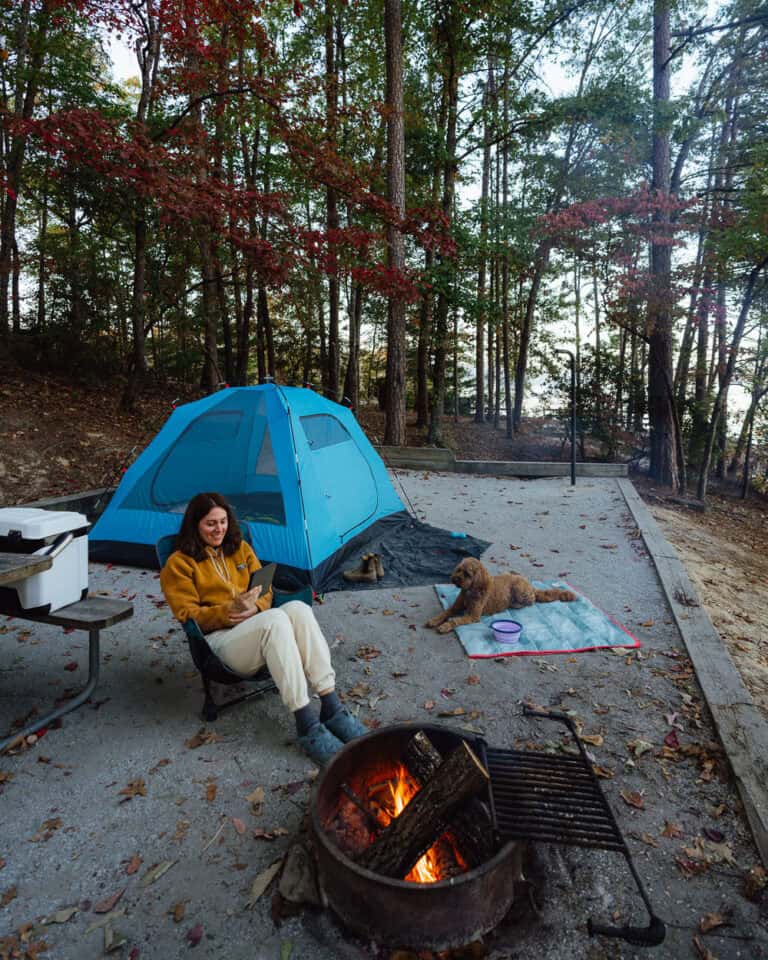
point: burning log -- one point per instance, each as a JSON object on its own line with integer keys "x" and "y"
{"x": 471, "y": 825}
{"x": 459, "y": 777}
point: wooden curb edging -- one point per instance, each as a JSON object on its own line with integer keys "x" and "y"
{"x": 742, "y": 728}
{"x": 442, "y": 460}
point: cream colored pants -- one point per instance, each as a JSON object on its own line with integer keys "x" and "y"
{"x": 288, "y": 639}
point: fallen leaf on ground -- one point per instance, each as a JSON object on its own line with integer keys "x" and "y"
{"x": 238, "y": 824}
{"x": 429, "y": 704}
{"x": 673, "y": 830}
{"x": 367, "y": 652}
{"x": 178, "y": 910}
{"x": 47, "y": 829}
{"x": 256, "y": 800}
{"x": 690, "y": 868}
{"x": 711, "y": 920}
{"x": 605, "y": 772}
{"x": 61, "y": 916}
{"x": 134, "y": 788}
{"x": 261, "y": 834}
{"x": 671, "y": 740}
{"x": 113, "y": 940}
{"x": 155, "y": 872}
{"x": 638, "y": 747}
{"x": 708, "y": 852}
{"x": 202, "y": 737}
{"x": 195, "y": 934}
{"x": 632, "y": 798}
{"x": 261, "y": 882}
{"x": 701, "y": 951}
{"x": 108, "y": 903}
{"x": 133, "y": 864}
{"x": 755, "y": 881}
{"x": 10, "y": 894}
{"x": 592, "y": 738}
{"x": 210, "y": 792}
{"x": 456, "y": 712}
{"x": 473, "y": 679}
{"x": 103, "y": 921}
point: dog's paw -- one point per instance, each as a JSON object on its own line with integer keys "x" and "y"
{"x": 434, "y": 621}
{"x": 445, "y": 627}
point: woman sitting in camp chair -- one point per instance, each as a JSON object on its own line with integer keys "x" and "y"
{"x": 206, "y": 579}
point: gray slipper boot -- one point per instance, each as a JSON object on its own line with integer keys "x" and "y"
{"x": 320, "y": 744}
{"x": 344, "y": 726}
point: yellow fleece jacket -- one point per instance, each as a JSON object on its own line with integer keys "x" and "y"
{"x": 194, "y": 590}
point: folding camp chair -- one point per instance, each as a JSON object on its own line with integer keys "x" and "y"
{"x": 210, "y": 667}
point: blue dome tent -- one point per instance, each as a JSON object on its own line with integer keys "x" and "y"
{"x": 296, "y": 467}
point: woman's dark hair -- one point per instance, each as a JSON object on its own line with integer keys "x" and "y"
{"x": 188, "y": 540}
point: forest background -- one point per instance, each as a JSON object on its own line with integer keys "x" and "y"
{"x": 279, "y": 194}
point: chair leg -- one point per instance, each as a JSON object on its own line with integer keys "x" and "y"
{"x": 210, "y": 707}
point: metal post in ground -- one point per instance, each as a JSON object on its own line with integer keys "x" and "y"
{"x": 572, "y": 362}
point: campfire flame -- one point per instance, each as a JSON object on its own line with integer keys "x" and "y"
{"x": 428, "y": 869}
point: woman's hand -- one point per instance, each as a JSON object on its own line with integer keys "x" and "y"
{"x": 244, "y": 605}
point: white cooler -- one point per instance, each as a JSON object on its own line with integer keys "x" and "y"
{"x": 60, "y": 534}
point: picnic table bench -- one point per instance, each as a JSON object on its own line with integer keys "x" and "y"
{"x": 92, "y": 614}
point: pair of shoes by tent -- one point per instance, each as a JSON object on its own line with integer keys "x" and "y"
{"x": 369, "y": 570}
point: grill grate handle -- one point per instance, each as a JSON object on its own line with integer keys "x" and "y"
{"x": 650, "y": 936}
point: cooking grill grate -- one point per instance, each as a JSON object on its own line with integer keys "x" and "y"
{"x": 558, "y": 799}
{"x": 553, "y": 799}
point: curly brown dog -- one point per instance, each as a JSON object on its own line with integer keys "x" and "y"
{"x": 480, "y": 594}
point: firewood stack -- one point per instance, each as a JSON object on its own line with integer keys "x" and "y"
{"x": 444, "y": 814}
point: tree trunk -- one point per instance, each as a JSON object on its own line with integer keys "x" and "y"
{"x": 482, "y": 309}
{"x": 738, "y": 332}
{"x": 448, "y": 41}
{"x": 331, "y": 203}
{"x": 663, "y": 469}
{"x": 30, "y": 53}
{"x": 394, "y": 424}
{"x": 352, "y": 378}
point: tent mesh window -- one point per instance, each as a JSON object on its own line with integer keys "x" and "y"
{"x": 324, "y": 431}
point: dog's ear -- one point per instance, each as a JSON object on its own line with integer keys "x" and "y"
{"x": 481, "y": 579}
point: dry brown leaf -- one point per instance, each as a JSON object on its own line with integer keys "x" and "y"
{"x": 134, "y": 788}
{"x": 202, "y": 737}
{"x": 178, "y": 910}
{"x": 673, "y": 830}
{"x": 156, "y": 871}
{"x": 210, "y": 792}
{"x": 8, "y": 895}
{"x": 473, "y": 679}
{"x": 701, "y": 951}
{"x": 256, "y": 800}
{"x": 605, "y": 772}
{"x": 261, "y": 834}
{"x": 649, "y": 839}
{"x": 108, "y": 903}
{"x": 367, "y": 652}
{"x": 755, "y": 881}
{"x": 711, "y": 920}
{"x": 261, "y": 882}
{"x": 429, "y": 704}
{"x": 592, "y": 738}
{"x": 633, "y": 798}
{"x": 456, "y": 712}
{"x": 238, "y": 824}
{"x": 133, "y": 864}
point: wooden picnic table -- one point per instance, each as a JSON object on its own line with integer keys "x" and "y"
{"x": 92, "y": 614}
{"x": 19, "y": 566}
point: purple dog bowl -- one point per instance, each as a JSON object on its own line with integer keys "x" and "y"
{"x": 506, "y": 631}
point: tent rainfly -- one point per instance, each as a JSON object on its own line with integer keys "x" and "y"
{"x": 297, "y": 468}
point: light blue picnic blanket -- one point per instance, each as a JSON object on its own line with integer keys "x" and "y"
{"x": 547, "y": 627}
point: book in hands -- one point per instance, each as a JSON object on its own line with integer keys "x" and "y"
{"x": 263, "y": 578}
